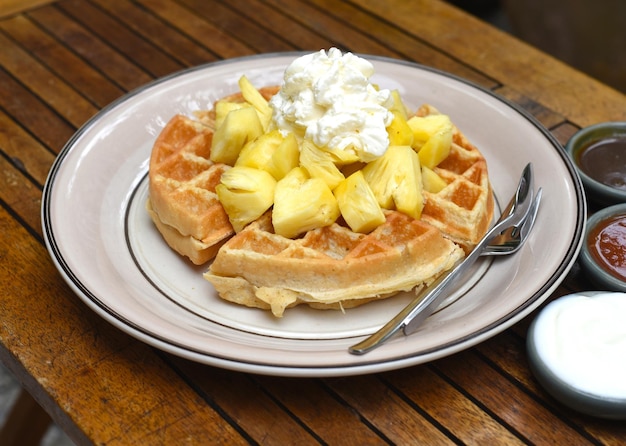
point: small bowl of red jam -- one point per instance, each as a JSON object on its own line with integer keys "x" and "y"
{"x": 603, "y": 255}
{"x": 599, "y": 153}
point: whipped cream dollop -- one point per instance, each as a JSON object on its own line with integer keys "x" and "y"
{"x": 583, "y": 341}
{"x": 327, "y": 98}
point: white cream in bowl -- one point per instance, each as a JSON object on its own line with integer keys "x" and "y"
{"x": 577, "y": 350}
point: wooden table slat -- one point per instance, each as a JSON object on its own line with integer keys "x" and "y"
{"x": 174, "y": 42}
{"x": 97, "y": 53}
{"x": 559, "y": 87}
{"x": 134, "y": 47}
{"x": 56, "y": 93}
{"x": 61, "y": 61}
{"x": 210, "y": 36}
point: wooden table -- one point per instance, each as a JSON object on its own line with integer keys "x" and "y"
{"x": 62, "y": 62}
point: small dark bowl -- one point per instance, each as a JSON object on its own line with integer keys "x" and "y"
{"x": 597, "y": 192}
{"x": 596, "y": 274}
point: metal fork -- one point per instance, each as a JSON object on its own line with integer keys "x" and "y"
{"x": 522, "y": 208}
{"x": 512, "y": 239}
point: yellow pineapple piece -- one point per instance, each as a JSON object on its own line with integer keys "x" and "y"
{"x": 437, "y": 148}
{"x": 432, "y": 138}
{"x": 423, "y": 127}
{"x": 341, "y": 157}
{"x": 358, "y": 204}
{"x": 319, "y": 164}
{"x": 400, "y": 134}
{"x": 256, "y": 99}
{"x": 239, "y": 127}
{"x": 258, "y": 152}
{"x": 398, "y": 105}
{"x": 396, "y": 180}
{"x": 272, "y": 152}
{"x": 302, "y": 203}
{"x": 432, "y": 182}
{"x": 222, "y": 108}
{"x": 285, "y": 157}
{"x": 245, "y": 193}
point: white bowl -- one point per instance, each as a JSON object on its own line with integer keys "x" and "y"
{"x": 587, "y": 392}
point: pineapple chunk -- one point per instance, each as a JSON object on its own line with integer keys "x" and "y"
{"x": 432, "y": 137}
{"x": 319, "y": 164}
{"x": 272, "y": 152}
{"x": 222, "y": 108}
{"x": 340, "y": 157}
{"x": 437, "y": 148}
{"x": 396, "y": 180}
{"x": 400, "y": 134}
{"x": 256, "y": 99}
{"x": 358, "y": 204}
{"x": 302, "y": 203}
{"x": 239, "y": 127}
{"x": 398, "y": 105}
{"x": 245, "y": 194}
{"x": 258, "y": 152}
{"x": 432, "y": 182}
{"x": 285, "y": 157}
{"x": 423, "y": 127}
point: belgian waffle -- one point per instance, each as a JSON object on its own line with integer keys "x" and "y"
{"x": 330, "y": 267}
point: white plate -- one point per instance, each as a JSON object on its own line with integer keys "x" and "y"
{"x": 106, "y": 248}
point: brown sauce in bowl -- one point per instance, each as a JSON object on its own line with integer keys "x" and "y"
{"x": 607, "y": 245}
{"x": 605, "y": 161}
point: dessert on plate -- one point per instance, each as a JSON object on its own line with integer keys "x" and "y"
{"x": 325, "y": 190}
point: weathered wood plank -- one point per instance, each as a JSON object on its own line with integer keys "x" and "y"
{"x": 10, "y": 7}
{"x": 253, "y": 409}
{"x": 388, "y": 411}
{"x": 406, "y": 46}
{"x": 53, "y": 90}
{"x": 174, "y": 42}
{"x": 518, "y": 65}
{"x": 25, "y": 152}
{"x": 142, "y": 52}
{"x": 210, "y": 36}
{"x": 516, "y": 408}
{"x": 62, "y": 61}
{"x": 115, "y": 388}
{"x": 445, "y": 403}
{"x": 20, "y": 194}
{"x": 96, "y": 52}
{"x": 328, "y": 418}
{"x": 261, "y": 39}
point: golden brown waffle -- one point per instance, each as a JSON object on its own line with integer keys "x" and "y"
{"x": 464, "y": 208}
{"x": 330, "y": 267}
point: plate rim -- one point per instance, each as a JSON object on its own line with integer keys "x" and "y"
{"x": 135, "y": 330}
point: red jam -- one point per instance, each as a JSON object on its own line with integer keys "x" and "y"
{"x": 607, "y": 245}
{"x": 605, "y": 161}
